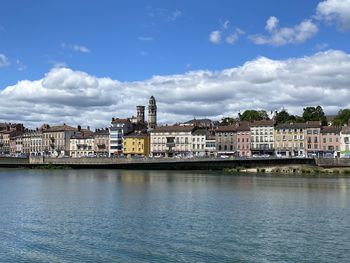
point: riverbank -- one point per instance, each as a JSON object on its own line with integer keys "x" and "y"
{"x": 291, "y": 170}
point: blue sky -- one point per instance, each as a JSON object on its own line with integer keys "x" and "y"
{"x": 132, "y": 41}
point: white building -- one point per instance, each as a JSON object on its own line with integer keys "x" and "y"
{"x": 118, "y": 128}
{"x": 199, "y": 142}
{"x": 82, "y": 144}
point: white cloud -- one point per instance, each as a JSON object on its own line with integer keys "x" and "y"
{"x": 285, "y": 35}
{"x": 215, "y": 37}
{"x": 4, "y": 61}
{"x": 65, "y": 95}
{"x": 271, "y": 23}
{"x": 226, "y": 24}
{"x": 78, "y": 48}
{"x": 230, "y": 36}
{"x": 145, "y": 38}
{"x": 234, "y": 36}
{"x": 335, "y": 12}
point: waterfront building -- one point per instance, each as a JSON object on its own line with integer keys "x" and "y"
{"x": 101, "y": 140}
{"x": 171, "y": 141}
{"x": 56, "y": 140}
{"x": 152, "y": 113}
{"x": 226, "y": 140}
{"x": 243, "y": 139}
{"x": 262, "y": 137}
{"x": 36, "y": 141}
{"x": 118, "y": 128}
{"x": 210, "y": 144}
{"x": 82, "y": 143}
{"x": 289, "y": 139}
{"x": 330, "y": 141}
{"x": 345, "y": 142}
{"x": 12, "y": 144}
{"x": 19, "y": 144}
{"x": 7, "y": 133}
{"x": 199, "y": 142}
{"x": 136, "y": 143}
{"x": 313, "y": 139}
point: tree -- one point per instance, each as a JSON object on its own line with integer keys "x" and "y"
{"x": 343, "y": 117}
{"x": 227, "y": 121}
{"x": 254, "y": 115}
{"x": 314, "y": 114}
{"x": 283, "y": 116}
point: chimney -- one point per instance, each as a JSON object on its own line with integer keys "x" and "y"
{"x": 88, "y": 127}
{"x": 79, "y": 128}
{"x": 113, "y": 119}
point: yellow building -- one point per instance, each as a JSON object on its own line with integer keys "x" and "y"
{"x": 136, "y": 144}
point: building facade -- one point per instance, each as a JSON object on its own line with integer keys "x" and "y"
{"x": 172, "y": 141}
{"x": 56, "y": 140}
{"x": 243, "y": 140}
{"x": 118, "y": 128}
{"x": 82, "y": 144}
{"x": 262, "y": 137}
{"x": 199, "y": 142}
{"x": 330, "y": 141}
{"x": 101, "y": 140}
{"x": 136, "y": 144}
{"x": 289, "y": 139}
{"x": 313, "y": 139}
{"x": 226, "y": 140}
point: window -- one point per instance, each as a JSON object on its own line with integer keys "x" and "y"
{"x": 315, "y": 131}
{"x": 324, "y": 140}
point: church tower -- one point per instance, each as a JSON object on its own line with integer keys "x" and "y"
{"x": 152, "y": 113}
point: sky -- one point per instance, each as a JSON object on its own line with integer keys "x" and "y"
{"x": 84, "y": 62}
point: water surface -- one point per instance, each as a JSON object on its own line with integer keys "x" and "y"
{"x": 159, "y": 216}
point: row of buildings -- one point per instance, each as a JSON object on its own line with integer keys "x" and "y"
{"x": 197, "y": 138}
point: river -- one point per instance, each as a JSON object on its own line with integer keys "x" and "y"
{"x": 171, "y": 216}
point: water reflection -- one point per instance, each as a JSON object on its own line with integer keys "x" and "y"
{"x": 170, "y": 216}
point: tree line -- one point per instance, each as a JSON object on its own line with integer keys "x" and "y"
{"x": 283, "y": 116}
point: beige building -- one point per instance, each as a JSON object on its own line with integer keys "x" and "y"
{"x": 171, "y": 141}
{"x": 289, "y": 139}
{"x": 82, "y": 144}
{"x": 101, "y": 141}
{"x": 56, "y": 140}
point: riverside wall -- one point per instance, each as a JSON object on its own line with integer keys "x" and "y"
{"x": 168, "y": 164}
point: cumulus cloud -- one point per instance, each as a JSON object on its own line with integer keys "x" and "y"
{"x": 230, "y": 36}
{"x": 215, "y": 37}
{"x": 335, "y": 12}
{"x": 75, "y": 97}
{"x": 286, "y": 35}
{"x": 4, "y": 61}
{"x": 78, "y": 48}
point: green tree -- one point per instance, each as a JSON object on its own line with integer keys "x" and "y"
{"x": 283, "y": 116}
{"x": 314, "y": 114}
{"x": 227, "y": 121}
{"x": 253, "y": 115}
{"x": 343, "y": 117}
